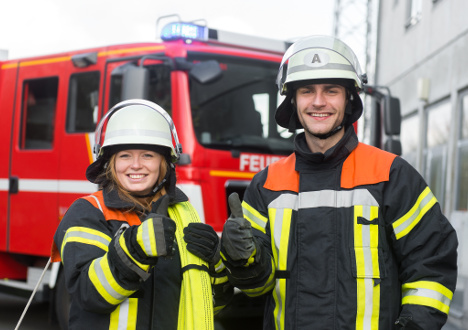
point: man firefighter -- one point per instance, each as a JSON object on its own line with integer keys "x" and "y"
{"x": 339, "y": 235}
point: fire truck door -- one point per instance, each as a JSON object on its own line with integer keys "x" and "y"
{"x": 33, "y": 192}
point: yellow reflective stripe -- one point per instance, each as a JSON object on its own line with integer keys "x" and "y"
{"x": 257, "y": 220}
{"x": 146, "y": 239}
{"x": 219, "y": 280}
{"x": 427, "y": 293}
{"x": 219, "y": 267}
{"x": 269, "y": 285}
{"x": 125, "y": 315}
{"x": 406, "y": 223}
{"x": 366, "y": 242}
{"x": 124, "y": 247}
{"x": 86, "y": 236}
{"x": 105, "y": 283}
{"x": 280, "y": 225}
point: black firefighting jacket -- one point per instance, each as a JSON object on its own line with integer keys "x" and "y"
{"x": 99, "y": 281}
{"x": 350, "y": 239}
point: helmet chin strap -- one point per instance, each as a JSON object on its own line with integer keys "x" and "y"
{"x": 331, "y": 133}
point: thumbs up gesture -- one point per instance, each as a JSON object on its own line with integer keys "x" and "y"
{"x": 237, "y": 242}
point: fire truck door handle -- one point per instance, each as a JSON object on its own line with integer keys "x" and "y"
{"x": 13, "y": 187}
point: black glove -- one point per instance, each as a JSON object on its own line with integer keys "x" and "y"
{"x": 237, "y": 242}
{"x": 203, "y": 242}
{"x": 155, "y": 236}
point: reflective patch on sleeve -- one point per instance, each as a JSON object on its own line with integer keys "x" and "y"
{"x": 103, "y": 280}
{"x": 406, "y": 223}
{"x": 85, "y": 235}
{"x": 427, "y": 293}
{"x": 257, "y": 220}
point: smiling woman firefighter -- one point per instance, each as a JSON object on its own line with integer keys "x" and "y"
{"x": 135, "y": 254}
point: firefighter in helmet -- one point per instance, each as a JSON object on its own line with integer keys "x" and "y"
{"x": 135, "y": 254}
{"x": 339, "y": 235}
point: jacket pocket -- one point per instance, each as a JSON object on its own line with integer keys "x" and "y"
{"x": 366, "y": 252}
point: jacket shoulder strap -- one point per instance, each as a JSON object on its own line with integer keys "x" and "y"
{"x": 366, "y": 165}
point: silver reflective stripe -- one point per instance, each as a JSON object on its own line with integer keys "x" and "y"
{"x": 123, "y": 315}
{"x": 329, "y": 66}
{"x": 145, "y": 233}
{"x": 285, "y": 201}
{"x": 324, "y": 198}
{"x": 97, "y": 201}
{"x": 138, "y": 132}
{"x": 103, "y": 281}
{"x": 428, "y": 293}
{"x": 415, "y": 214}
{"x": 369, "y": 302}
{"x": 366, "y": 244}
{"x": 249, "y": 215}
{"x": 89, "y": 237}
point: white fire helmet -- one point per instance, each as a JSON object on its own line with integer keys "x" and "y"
{"x": 318, "y": 58}
{"x": 134, "y": 124}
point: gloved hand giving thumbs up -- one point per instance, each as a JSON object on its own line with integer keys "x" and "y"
{"x": 237, "y": 242}
{"x": 153, "y": 238}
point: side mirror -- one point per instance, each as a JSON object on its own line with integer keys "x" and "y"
{"x": 393, "y": 146}
{"x": 206, "y": 72}
{"x": 392, "y": 115}
{"x": 135, "y": 83}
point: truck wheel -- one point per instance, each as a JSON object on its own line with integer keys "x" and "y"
{"x": 62, "y": 302}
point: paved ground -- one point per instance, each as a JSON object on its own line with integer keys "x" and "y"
{"x": 36, "y": 318}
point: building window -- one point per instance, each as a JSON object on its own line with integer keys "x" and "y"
{"x": 38, "y": 113}
{"x": 414, "y": 12}
{"x": 462, "y": 165}
{"x": 409, "y": 138}
{"x": 83, "y": 98}
{"x": 438, "y": 129}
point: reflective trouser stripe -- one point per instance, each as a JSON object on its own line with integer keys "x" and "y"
{"x": 407, "y": 222}
{"x": 124, "y": 317}
{"x": 427, "y": 293}
{"x": 280, "y": 225}
{"x": 105, "y": 283}
{"x": 366, "y": 242}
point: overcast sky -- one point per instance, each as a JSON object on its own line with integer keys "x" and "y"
{"x": 38, "y": 27}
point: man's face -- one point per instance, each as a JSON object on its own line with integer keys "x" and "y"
{"x": 320, "y": 107}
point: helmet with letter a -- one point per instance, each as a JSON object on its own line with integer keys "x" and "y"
{"x": 318, "y": 60}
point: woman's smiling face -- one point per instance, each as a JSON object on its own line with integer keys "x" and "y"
{"x": 138, "y": 170}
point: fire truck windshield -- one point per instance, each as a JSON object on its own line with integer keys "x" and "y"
{"x": 237, "y": 110}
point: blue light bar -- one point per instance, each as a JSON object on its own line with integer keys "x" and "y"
{"x": 179, "y": 30}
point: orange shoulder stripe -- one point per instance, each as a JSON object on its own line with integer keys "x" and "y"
{"x": 282, "y": 175}
{"x": 110, "y": 214}
{"x": 366, "y": 165}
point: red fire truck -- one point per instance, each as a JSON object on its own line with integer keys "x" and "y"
{"x": 219, "y": 88}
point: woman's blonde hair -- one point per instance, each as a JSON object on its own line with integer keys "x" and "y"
{"x": 140, "y": 204}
